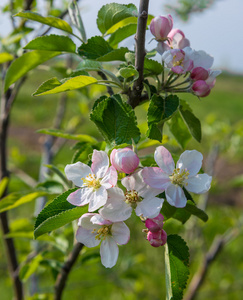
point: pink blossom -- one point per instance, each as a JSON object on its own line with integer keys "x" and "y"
{"x": 94, "y": 229}
{"x": 93, "y": 182}
{"x": 155, "y": 224}
{"x": 158, "y": 238}
{"x": 175, "y": 60}
{"x": 172, "y": 179}
{"x": 177, "y": 39}
{"x": 200, "y": 88}
{"x": 160, "y": 27}
{"x": 124, "y": 160}
{"x": 199, "y": 73}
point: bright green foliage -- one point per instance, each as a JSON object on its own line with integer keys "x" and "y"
{"x": 177, "y": 266}
{"x": 54, "y": 86}
{"x": 14, "y": 200}
{"x": 160, "y": 110}
{"x": 116, "y": 54}
{"x": 25, "y": 63}
{"x": 58, "y": 213}
{"x": 112, "y": 13}
{"x": 5, "y": 57}
{"x": 30, "y": 268}
{"x": 3, "y": 185}
{"x": 116, "y": 120}
{"x": 128, "y": 72}
{"x": 122, "y": 33}
{"x": 52, "y": 43}
{"x": 50, "y": 21}
{"x": 77, "y": 137}
{"x": 152, "y": 67}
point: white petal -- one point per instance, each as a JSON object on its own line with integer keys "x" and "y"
{"x": 98, "y": 198}
{"x": 164, "y": 160}
{"x": 110, "y": 178}
{"x": 80, "y": 197}
{"x": 75, "y": 172}
{"x": 85, "y": 222}
{"x": 99, "y": 220}
{"x": 191, "y": 161}
{"x": 155, "y": 178}
{"x": 100, "y": 163}
{"x": 199, "y": 184}
{"x": 175, "y": 196}
{"x": 149, "y": 208}
{"x": 120, "y": 232}
{"x": 86, "y": 237}
{"x": 109, "y": 252}
{"x": 134, "y": 182}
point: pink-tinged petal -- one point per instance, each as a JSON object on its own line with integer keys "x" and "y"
{"x": 156, "y": 178}
{"x": 86, "y": 237}
{"x": 155, "y": 224}
{"x": 134, "y": 182}
{"x": 183, "y": 43}
{"x": 199, "y": 184}
{"x": 110, "y": 178}
{"x": 175, "y": 196}
{"x": 98, "y": 198}
{"x": 178, "y": 70}
{"x": 109, "y": 252}
{"x": 80, "y": 197}
{"x": 99, "y": 220}
{"x": 120, "y": 233}
{"x": 100, "y": 163}
{"x": 164, "y": 160}
{"x": 85, "y": 222}
{"x": 162, "y": 47}
{"x": 75, "y": 172}
{"x": 190, "y": 160}
{"x": 149, "y": 208}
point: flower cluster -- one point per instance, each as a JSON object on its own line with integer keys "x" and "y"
{"x": 180, "y": 58}
{"x": 110, "y": 205}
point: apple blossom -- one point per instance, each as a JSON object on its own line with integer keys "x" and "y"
{"x": 139, "y": 196}
{"x": 93, "y": 182}
{"x": 172, "y": 180}
{"x": 177, "y": 39}
{"x": 157, "y": 238}
{"x": 124, "y": 160}
{"x": 160, "y": 27}
{"x": 94, "y": 229}
{"x": 155, "y": 224}
{"x": 175, "y": 60}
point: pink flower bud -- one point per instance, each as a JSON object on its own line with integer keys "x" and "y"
{"x": 155, "y": 224}
{"x": 157, "y": 238}
{"x": 199, "y": 73}
{"x": 124, "y": 160}
{"x": 201, "y": 88}
{"x": 177, "y": 40}
{"x": 161, "y": 26}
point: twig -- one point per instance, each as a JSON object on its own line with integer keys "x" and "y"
{"x": 109, "y": 89}
{"x": 66, "y": 268}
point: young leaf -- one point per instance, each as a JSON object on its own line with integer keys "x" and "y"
{"x": 176, "y": 266}
{"x": 25, "y": 63}
{"x": 54, "y": 86}
{"x": 50, "y": 21}
{"x": 76, "y": 19}
{"x": 5, "y": 57}
{"x": 94, "y": 48}
{"x": 30, "y": 268}
{"x": 152, "y": 67}
{"x": 112, "y": 13}
{"x": 128, "y": 72}
{"x": 58, "y": 213}
{"x": 116, "y": 120}
{"x": 52, "y": 43}
{"x": 121, "y": 34}
{"x": 116, "y": 54}
{"x": 3, "y": 185}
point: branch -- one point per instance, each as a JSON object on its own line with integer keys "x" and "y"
{"x": 109, "y": 89}
{"x": 66, "y": 268}
{"x": 135, "y": 93}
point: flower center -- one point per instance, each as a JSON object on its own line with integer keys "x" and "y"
{"x": 179, "y": 176}
{"x": 91, "y": 182}
{"x": 102, "y": 232}
{"x": 132, "y": 198}
{"x": 177, "y": 62}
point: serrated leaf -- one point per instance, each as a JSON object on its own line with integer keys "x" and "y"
{"x": 94, "y": 48}
{"x": 5, "y": 57}
{"x": 52, "y": 43}
{"x": 50, "y": 21}
{"x": 176, "y": 266}
{"x": 152, "y": 67}
{"x": 128, "y": 72}
{"x": 116, "y": 120}
{"x": 116, "y": 54}
{"x": 25, "y": 63}
{"x": 3, "y": 185}
{"x": 121, "y": 34}
{"x": 15, "y": 200}
{"x": 112, "y": 13}
{"x": 54, "y": 86}
{"x": 57, "y": 214}
{"x": 77, "y": 137}
{"x": 191, "y": 121}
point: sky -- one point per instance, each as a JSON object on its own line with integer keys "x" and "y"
{"x": 218, "y": 30}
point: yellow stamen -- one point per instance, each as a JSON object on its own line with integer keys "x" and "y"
{"x": 102, "y": 232}
{"x": 178, "y": 177}
{"x": 91, "y": 181}
{"x": 132, "y": 198}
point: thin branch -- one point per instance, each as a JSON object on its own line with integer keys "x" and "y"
{"x": 109, "y": 89}
{"x": 66, "y": 268}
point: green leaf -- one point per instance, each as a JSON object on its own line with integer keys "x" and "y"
{"x": 160, "y": 109}
{"x": 167, "y": 210}
{"x": 50, "y": 21}
{"x": 57, "y": 214}
{"x": 179, "y": 130}
{"x": 116, "y": 54}
{"x": 116, "y": 120}
{"x": 52, "y": 43}
{"x": 5, "y": 57}
{"x": 194, "y": 210}
{"x": 30, "y": 268}
{"x": 94, "y": 48}
{"x": 129, "y": 72}
{"x": 14, "y": 200}
{"x": 152, "y": 67}
{"x": 54, "y": 86}
{"x": 191, "y": 121}
{"x": 89, "y": 65}
{"x": 112, "y": 13}
{"x": 75, "y": 16}
{"x": 25, "y": 63}
{"x": 121, "y": 34}
{"x": 77, "y": 137}
{"x": 176, "y": 267}
{"x": 3, "y": 185}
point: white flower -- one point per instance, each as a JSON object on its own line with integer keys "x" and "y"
{"x": 172, "y": 180}
{"x": 93, "y": 181}
{"x": 94, "y": 229}
{"x": 139, "y": 196}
